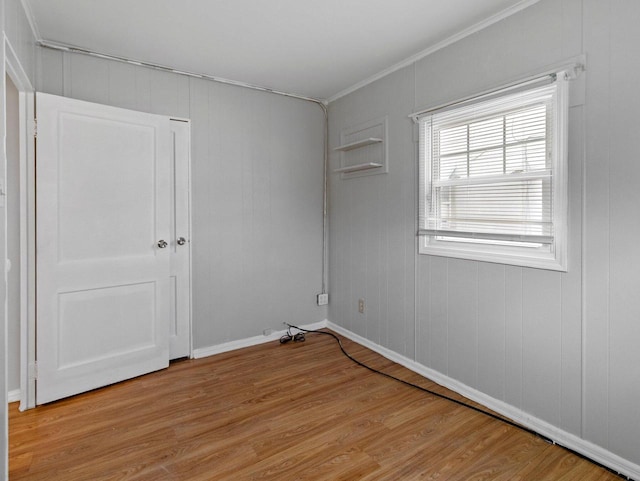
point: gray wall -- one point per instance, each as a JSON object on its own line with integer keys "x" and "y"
{"x": 560, "y": 346}
{"x": 4, "y": 424}
{"x": 12, "y": 125}
{"x": 257, "y": 168}
{"x": 22, "y": 42}
{"x": 18, "y": 32}
{"x": 20, "y": 36}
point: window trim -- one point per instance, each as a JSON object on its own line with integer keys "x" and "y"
{"x": 552, "y": 257}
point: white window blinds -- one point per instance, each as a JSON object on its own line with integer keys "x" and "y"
{"x": 487, "y": 170}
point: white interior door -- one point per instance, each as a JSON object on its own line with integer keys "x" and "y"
{"x": 180, "y": 280}
{"x": 102, "y": 217}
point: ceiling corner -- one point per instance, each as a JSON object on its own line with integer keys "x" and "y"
{"x": 26, "y": 6}
{"x": 438, "y": 46}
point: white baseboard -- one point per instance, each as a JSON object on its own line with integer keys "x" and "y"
{"x": 251, "y": 341}
{"x": 559, "y": 436}
{"x": 13, "y": 396}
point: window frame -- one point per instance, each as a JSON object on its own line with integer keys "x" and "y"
{"x": 552, "y": 256}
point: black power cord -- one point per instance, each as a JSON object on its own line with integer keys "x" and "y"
{"x": 289, "y": 336}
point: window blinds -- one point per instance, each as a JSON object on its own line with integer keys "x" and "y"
{"x": 487, "y": 169}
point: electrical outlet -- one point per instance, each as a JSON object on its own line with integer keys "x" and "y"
{"x": 323, "y": 299}
{"x": 361, "y": 306}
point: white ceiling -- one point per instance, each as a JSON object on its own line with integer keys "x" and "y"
{"x": 315, "y": 48}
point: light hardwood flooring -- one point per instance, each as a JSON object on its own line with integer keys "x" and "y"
{"x": 298, "y": 411}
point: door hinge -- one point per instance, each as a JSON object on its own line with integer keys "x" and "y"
{"x": 33, "y": 371}
{"x": 35, "y": 128}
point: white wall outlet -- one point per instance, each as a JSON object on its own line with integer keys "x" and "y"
{"x": 323, "y": 299}
{"x": 361, "y": 306}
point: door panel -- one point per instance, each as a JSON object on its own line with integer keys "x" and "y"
{"x": 106, "y": 205}
{"x": 102, "y": 205}
{"x": 121, "y": 322}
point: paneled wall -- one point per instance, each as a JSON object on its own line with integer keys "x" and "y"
{"x": 612, "y": 225}
{"x": 4, "y": 423}
{"x": 20, "y": 40}
{"x": 371, "y": 249}
{"x": 559, "y": 346}
{"x": 12, "y": 150}
{"x": 20, "y": 36}
{"x": 257, "y": 170}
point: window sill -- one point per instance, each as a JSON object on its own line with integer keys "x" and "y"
{"x": 522, "y": 257}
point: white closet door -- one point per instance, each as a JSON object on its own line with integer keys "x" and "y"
{"x": 180, "y": 283}
{"x": 102, "y": 220}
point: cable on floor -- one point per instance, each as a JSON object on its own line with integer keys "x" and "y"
{"x": 291, "y": 336}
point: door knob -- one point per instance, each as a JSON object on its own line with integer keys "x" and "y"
{"x": 181, "y": 241}
{"x": 162, "y": 244}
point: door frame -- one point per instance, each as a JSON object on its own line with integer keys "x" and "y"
{"x": 25, "y": 89}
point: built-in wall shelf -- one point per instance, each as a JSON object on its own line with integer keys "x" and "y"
{"x": 363, "y": 150}
{"x": 357, "y": 144}
{"x": 358, "y": 167}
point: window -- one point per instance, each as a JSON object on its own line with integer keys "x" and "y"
{"x": 493, "y": 177}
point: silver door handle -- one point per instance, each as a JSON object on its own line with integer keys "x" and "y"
{"x": 181, "y": 241}
{"x": 162, "y": 244}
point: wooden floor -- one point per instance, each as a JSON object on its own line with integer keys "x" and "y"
{"x": 299, "y": 411}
